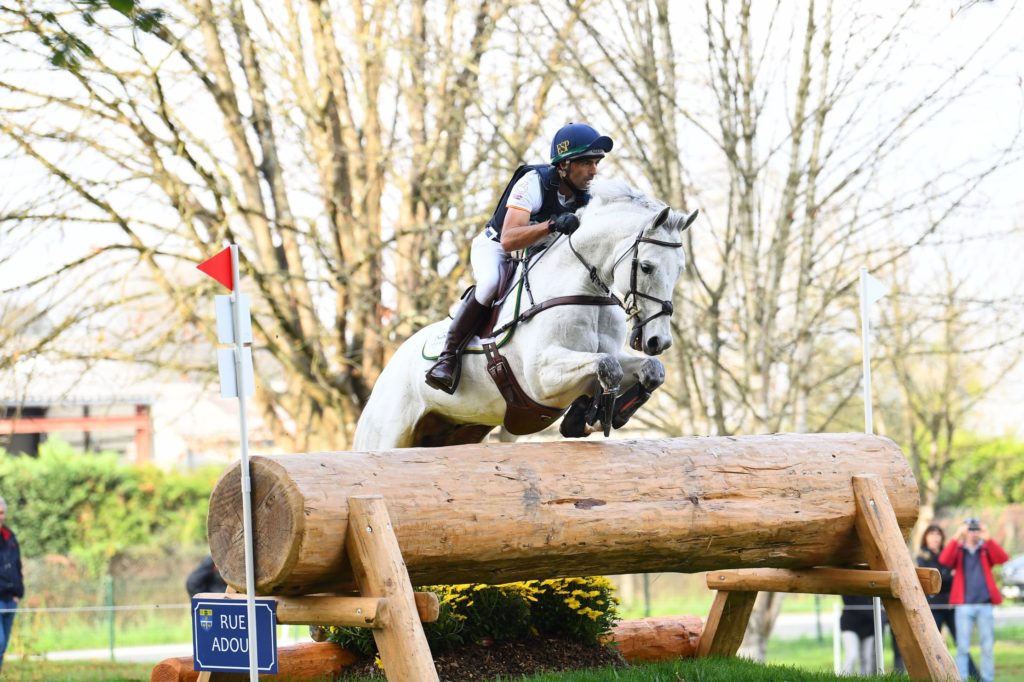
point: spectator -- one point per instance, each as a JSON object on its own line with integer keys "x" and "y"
{"x": 205, "y": 578}
{"x": 12, "y": 586}
{"x": 972, "y": 554}
{"x": 858, "y": 635}
{"x": 932, "y": 543}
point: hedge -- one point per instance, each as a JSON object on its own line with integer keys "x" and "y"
{"x": 92, "y": 506}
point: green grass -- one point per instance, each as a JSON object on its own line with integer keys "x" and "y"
{"x": 790, "y": 660}
{"x": 37, "y": 633}
{"x": 73, "y": 671}
{"x": 49, "y": 671}
{"x": 809, "y": 654}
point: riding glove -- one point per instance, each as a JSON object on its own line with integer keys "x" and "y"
{"x": 566, "y": 223}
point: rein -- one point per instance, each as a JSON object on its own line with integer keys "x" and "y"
{"x": 633, "y": 311}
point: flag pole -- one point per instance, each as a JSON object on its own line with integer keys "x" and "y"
{"x": 869, "y": 428}
{"x": 250, "y": 579}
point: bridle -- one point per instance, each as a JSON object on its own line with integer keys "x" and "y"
{"x": 632, "y": 307}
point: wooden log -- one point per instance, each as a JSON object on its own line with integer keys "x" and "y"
{"x": 659, "y": 638}
{"x": 379, "y": 570}
{"x": 819, "y": 581}
{"x": 348, "y": 611}
{"x": 499, "y": 512}
{"x": 923, "y": 647}
{"x": 307, "y": 661}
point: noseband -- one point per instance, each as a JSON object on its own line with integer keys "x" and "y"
{"x": 629, "y": 302}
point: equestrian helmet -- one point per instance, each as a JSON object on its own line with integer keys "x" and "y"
{"x": 578, "y": 141}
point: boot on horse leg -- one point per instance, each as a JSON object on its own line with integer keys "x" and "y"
{"x": 444, "y": 375}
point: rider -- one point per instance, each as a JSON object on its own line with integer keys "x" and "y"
{"x": 539, "y": 201}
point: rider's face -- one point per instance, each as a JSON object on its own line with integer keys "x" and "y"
{"x": 581, "y": 172}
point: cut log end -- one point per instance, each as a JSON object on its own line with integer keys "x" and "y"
{"x": 277, "y": 518}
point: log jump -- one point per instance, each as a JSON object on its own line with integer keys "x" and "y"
{"x": 376, "y": 523}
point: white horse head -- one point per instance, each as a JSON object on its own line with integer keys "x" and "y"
{"x": 628, "y": 247}
{"x": 644, "y": 264}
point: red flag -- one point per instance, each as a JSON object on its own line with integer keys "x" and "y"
{"x": 219, "y": 267}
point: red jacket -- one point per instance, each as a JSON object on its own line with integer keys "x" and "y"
{"x": 991, "y": 555}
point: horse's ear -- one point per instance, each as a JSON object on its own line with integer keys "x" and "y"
{"x": 662, "y": 217}
{"x": 684, "y": 220}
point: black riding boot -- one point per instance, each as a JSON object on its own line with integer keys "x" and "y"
{"x": 444, "y": 375}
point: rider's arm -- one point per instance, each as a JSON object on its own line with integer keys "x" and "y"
{"x": 517, "y": 232}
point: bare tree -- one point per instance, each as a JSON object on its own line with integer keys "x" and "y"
{"x": 947, "y": 349}
{"x": 788, "y": 139}
{"x": 349, "y": 149}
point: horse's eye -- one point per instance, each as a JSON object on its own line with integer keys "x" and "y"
{"x": 646, "y": 268}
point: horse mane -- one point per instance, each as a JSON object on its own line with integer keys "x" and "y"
{"x": 604, "y": 191}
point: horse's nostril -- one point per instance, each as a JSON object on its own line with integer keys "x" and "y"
{"x": 655, "y": 346}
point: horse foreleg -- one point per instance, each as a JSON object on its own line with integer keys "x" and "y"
{"x": 650, "y": 374}
{"x": 564, "y": 371}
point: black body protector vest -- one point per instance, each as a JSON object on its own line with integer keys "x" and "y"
{"x": 551, "y": 206}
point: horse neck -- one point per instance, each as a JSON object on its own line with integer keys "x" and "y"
{"x": 563, "y": 274}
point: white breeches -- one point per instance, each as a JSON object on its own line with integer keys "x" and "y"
{"x": 858, "y": 652}
{"x": 486, "y": 257}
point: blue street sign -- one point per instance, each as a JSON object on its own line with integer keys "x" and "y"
{"x": 220, "y": 635}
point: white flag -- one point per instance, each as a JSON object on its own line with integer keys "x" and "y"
{"x": 874, "y": 288}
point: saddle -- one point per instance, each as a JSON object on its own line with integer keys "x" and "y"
{"x": 523, "y": 414}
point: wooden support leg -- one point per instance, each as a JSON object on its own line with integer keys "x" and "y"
{"x": 923, "y": 648}
{"x": 726, "y": 624}
{"x": 380, "y": 572}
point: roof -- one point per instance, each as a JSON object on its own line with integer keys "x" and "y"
{"x": 39, "y": 382}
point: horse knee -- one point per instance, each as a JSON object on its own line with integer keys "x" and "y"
{"x": 609, "y": 371}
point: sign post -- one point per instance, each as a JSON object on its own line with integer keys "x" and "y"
{"x": 871, "y": 290}
{"x": 237, "y": 381}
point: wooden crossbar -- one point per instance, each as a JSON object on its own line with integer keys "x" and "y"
{"x": 825, "y": 580}
{"x": 363, "y": 612}
{"x": 893, "y": 577}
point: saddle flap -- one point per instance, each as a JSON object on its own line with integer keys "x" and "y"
{"x": 523, "y": 414}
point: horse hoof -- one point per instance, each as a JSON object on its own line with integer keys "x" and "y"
{"x": 574, "y": 423}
